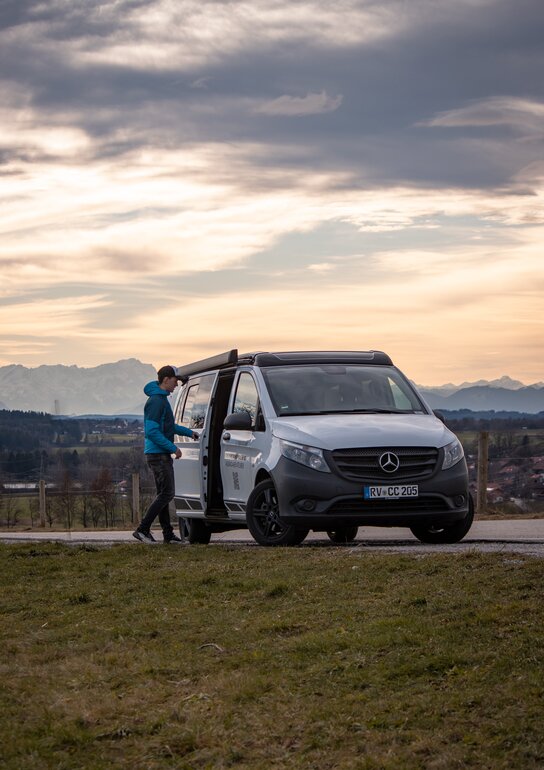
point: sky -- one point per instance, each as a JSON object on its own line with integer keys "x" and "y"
{"x": 183, "y": 177}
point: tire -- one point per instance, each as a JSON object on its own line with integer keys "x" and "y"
{"x": 343, "y": 534}
{"x": 195, "y": 531}
{"x": 264, "y": 520}
{"x": 449, "y": 533}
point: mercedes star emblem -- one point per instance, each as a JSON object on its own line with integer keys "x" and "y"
{"x": 389, "y": 462}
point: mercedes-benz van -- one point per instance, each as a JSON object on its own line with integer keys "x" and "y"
{"x": 324, "y": 441}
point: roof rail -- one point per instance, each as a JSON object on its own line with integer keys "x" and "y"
{"x": 377, "y": 357}
{"x": 220, "y": 361}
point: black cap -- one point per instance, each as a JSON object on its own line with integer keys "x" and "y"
{"x": 166, "y": 371}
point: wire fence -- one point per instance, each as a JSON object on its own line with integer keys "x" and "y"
{"x": 111, "y": 498}
{"x": 67, "y": 509}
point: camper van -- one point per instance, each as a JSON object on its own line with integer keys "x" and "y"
{"x": 324, "y": 441}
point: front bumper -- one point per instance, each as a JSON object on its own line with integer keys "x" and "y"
{"x": 443, "y": 498}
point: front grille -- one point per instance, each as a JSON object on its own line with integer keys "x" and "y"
{"x": 371, "y": 507}
{"x": 362, "y": 464}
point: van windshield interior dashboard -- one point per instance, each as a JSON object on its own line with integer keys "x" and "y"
{"x": 340, "y": 389}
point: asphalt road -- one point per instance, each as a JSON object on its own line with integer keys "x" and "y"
{"x": 524, "y": 536}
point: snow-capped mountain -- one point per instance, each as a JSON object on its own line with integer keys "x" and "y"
{"x": 485, "y": 398}
{"x": 107, "y": 389}
{"x": 505, "y": 383}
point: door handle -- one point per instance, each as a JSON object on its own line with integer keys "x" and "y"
{"x": 226, "y": 436}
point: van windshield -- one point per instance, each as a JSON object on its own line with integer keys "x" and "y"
{"x": 336, "y": 389}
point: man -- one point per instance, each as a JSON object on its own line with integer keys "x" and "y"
{"x": 159, "y": 430}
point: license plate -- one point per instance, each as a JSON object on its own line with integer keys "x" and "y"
{"x": 391, "y": 492}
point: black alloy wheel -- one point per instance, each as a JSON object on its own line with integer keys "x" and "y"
{"x": 448, "y": 533}
{"x": 345, "y": 534}
{"x": 264, "y": 520}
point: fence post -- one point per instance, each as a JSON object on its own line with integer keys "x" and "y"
{"x": 135, "y": 498}
{"x": 41, "y": 488}
{"x": 483, "y": 452}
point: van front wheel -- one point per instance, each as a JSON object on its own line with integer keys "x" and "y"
{"x": 264, "y": 520}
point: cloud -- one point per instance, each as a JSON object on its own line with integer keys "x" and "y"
{"x": 524, "y": 115}
{"x": 311, "y": 104}
{"x": 108, "y": 70}
{"x": 63, "y": 317}
{"x": 194, "y": 32}
{"x": 161, "y": 212}
{"x": 56, "y": 141}
{"x": 202, "y": 82}
{"x": 322, "y": 267}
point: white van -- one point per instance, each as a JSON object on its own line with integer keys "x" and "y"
{"x": 323, "y": 441}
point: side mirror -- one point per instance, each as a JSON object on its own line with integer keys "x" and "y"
{"x": 440, "y": 416}
{"x": 238, "y": 421}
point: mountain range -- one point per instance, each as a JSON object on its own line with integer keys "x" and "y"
{"x": 116, "y": 388}
{"x": 486, "y": 397}
{"x": 107, "y": 389}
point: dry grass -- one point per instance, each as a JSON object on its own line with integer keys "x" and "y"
{"x": 314, "y": 657}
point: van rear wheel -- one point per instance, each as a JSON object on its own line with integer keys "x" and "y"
{"x": 264, "y": 520}
{"x": 343, "y": 534}
{"x": 448, "y": 533}
{"x": 195, "y": 531}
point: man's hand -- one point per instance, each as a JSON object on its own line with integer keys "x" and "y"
{"x": 195, "y": 436}
{"x": 178, "y": 453}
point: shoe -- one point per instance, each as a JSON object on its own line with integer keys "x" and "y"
{"x": 173, "y": 539}
{"x": 143, "y": 537}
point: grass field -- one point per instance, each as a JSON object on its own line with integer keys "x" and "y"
{"x": 311, "y": 657}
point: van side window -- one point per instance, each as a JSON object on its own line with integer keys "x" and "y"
{"x": 247, "y": 398}
{"x": 188, "y": 406}
{"x": 179, "y": 404}
{"x": 197, "y": 402}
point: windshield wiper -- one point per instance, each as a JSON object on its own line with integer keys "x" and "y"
{"x": 349, "y": 411}
{"x": 375, "y": 411}
{"x": 299, "y": 414}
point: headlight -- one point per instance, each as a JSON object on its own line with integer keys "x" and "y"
{"x": 452, "y": 454}
{"x": 309, "y": 456}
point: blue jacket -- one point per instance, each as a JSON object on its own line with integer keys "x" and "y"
{"x": 159, "y": 425}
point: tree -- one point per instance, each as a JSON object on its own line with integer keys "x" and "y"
{"x": 10, "y": 509}
{"x": 64, "y": 502}
{"x": 103, "y": 492}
